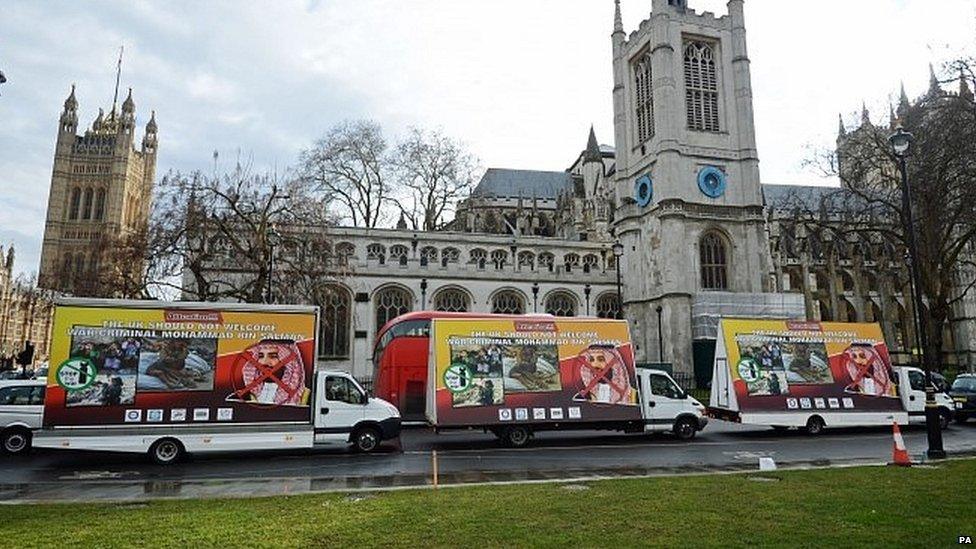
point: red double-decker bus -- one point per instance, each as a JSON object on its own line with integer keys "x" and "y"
{"x": 400, "y": 358}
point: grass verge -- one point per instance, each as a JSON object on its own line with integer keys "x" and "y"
{"x": 869, "y": 506}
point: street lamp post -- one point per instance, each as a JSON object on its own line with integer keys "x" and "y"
{"x": 535, "y": 297}
{"x": 273, "y": 238}
{"x": 423, "y": 294}
{"x": 901, "y": 142}
{"x": 660, "y": 335}
{"x": 618, "y": 252}
{"x": 586, "y": 292}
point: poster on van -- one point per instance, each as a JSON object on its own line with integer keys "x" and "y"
{"x": 488, "y": 371}
{"x": 776, "y": 365}
{"x": 173, "y": 365}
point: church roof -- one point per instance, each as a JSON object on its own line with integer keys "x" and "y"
{"x": 808, "y": 197}
{"x": 505, "y": 183}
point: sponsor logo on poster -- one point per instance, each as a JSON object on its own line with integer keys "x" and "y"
{"x": 805, "y": 403}
{"x": 505, "y": 414}
{"x": 833, "y": 402}
{"x": 819, "y": 403}
{"x": 848, "y": 402}
{"x": 556, "y": 413}
{"x": 792, "y": 403}
{"x": 202, "y": 317}
{"x": 154, "y": 416}
{"x": 201, "y": 414}
{"x": 575, "y": 413}
{"x": 225, "y": 414}
{"x": 538, "y": 413}
{"x": 177, "y": 414}
{"x": 521, "y": 414}
{"x": 133, "y": 416}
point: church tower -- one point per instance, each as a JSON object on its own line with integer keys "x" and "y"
{"x": 101, "y": 188}
{"x": 689, "y": 201}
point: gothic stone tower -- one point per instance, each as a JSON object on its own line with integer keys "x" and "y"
{"x": 690, "y": 206}
{"x": 101, "y": 187}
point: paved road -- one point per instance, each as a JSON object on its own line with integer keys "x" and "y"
{"x": 463, "y": 457}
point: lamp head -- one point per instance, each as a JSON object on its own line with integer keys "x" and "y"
{"x": 901, "y": 142}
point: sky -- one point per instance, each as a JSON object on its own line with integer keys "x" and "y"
{"x": 518, "y": 81}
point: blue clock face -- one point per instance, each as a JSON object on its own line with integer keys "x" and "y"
{"x": 643, "y": 190}
{"x": 711, "y": 182}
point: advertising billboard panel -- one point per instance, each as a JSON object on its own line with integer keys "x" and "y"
{"x": 509, "y": 371}
{"x": 168, "y": 365}
{"x": 778, "y": 365}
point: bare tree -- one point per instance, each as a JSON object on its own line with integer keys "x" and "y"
{"x": 433, "y": 172}
{"x": 349, "y": 166}
{"x": 941, "y": 167}
{"x": 227, "y": 233}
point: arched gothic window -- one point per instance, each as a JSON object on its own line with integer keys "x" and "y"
{"x": 499, "y": 258}
{"x": 546, "y": 261}
{"x": 344, "y": 251}
{"x": 376, "y": 251}
{"x": 608, "y": 306}
{"x": 561, "y": 304}
{"x": 100, "y": 205}
{"x": 701, "y": 87}
{"x": 571, "y": 261}
{"x": 644, "y": 99}
{"x": 428, "y": 254}
{"x": 79, "y": 264}
{"x": 399, "y": 253}
{"x": 334, "y": 324}
{"x": 390, "y": 303}
{"x": 75, "y": 206}
{"x": 714, "y": 262}
{"x": 451, "y": 255}
{"x": 479, "y": 257}
{"x": 66, "y": 266}
{"x": 452, "y": 300}
{"x": 590, "y": 263}
{"x": 86, "y": 210}
{"x": 508, "y": 302}
{"x": 526, "y": 259}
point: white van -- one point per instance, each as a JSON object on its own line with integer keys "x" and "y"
{"x": 21, "y": 412}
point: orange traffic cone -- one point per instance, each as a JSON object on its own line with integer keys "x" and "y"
{"x": 900, "y": 456}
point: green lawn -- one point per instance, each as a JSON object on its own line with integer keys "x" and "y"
{"x": 879, "y": 507}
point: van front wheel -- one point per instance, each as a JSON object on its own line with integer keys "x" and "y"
{"x": 685, "y": 428}
{"x": 366, "y": 440}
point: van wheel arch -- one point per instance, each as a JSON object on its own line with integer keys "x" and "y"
{"x": 815, "y": 425}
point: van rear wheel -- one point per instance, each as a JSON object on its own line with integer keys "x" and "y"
{"x": 815, "y": 426}
{"x": 516, "y": 436}
{"x": 166, "y": 451}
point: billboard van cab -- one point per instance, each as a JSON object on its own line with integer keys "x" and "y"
{"x": 811, "y": 375}
{"x": 173, "y": 378}
{"x": 515, "y": 376}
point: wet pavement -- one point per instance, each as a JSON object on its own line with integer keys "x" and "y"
{"x": 462, "y": 458}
